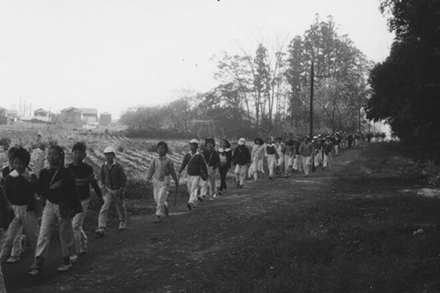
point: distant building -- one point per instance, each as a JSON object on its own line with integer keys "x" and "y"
{"x": 12, "y": 116}
{"x": 204, "y": 127}
{"x": 41, "y": 115}
{"x": 79, "y": 116}
{"x": 89, "y": 115}
{"x": 105, "y": 119}
{"x": 3, "y": 119}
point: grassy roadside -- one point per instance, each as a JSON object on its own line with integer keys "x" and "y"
{"x": 361, "y": 235}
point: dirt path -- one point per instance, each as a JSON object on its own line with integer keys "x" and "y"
{"x": 163, "y": 257}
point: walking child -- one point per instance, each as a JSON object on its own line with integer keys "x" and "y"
{"x": 306, "y": 152}
{"x": 20, "y": 186}
{"x": 271, "y": 155}
{"x": 6, "y": 215}
{"x": 196, "y": 166}
{"x": 160, "y": 170}
{"x": 17, "y": 246}
{"x": 56, "y": 184}
{"x": 213, "y": 161}
{"x": 225, "y": 156}
{"x": 84, "y": 177}
{"x": 257, "y": 156}
{"x": 241, "y": 158}
{"x": 328, "y": 150}
{"x": 113, "y": 182}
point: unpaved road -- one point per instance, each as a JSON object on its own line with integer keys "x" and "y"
{"x": 163, "y": 257}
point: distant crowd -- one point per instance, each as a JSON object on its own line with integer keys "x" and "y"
{"x": 33, "y": 206}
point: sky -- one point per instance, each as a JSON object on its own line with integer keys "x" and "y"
{"x": 116, "y": 54}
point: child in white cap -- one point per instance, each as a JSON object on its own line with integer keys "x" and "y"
{"x": 113, "y": 182}
{"x": 196, "y": 166}
{"x": 241, "y": 158}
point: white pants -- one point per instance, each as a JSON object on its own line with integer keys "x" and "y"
{"x": 160, "y": 192}
{"x": 307, "y": 163}
{"x": 257, "y": 166}
{"x": 52, "y": 217}
{"x": 240, "y": 173}
{"x": 77, "y": 225}
{"x": 271, "y": 163}
{"x": 109, "y": 197}
{"x": 209, "y": 183}
{"x": 300, "y": 162}
{"x": 288, "y": 163}
{"x": 327, "y": 160}
{"x": 29, "y": 222}
{"x": 193, "y": 185}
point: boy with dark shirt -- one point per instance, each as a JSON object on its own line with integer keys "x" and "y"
{"x": 84, "y": 177}
{"x": 196, "y": 164}
{"x": 20, "y": 186}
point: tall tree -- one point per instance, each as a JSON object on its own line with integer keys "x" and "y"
{"x": 406, "y": 86}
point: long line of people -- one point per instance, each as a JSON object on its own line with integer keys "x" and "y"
{"x": 64, "y": 190}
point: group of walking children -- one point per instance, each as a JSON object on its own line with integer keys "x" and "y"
{"x": 64, "y": 193}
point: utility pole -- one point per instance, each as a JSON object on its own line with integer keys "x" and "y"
{"x": 312, "y": 86}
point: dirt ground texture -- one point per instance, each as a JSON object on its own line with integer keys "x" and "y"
{"x": 169, "y": 256}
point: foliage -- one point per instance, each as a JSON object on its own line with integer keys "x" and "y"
{"x": 340, "y": 78}
{"x": 268, "y": 92}
{"x": 406, "y": 86}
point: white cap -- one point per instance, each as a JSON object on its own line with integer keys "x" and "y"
{"x": 109, "y": 150}
{"x": 241, "y": 141}
{"x": 194, "y": 141}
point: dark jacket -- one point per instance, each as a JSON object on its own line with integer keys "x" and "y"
{"x": 211, "y": 158}
{"x": 84, "y": 177}
{"x": 225, "y": 157}
{"x": 20, "y": 191}
{"x": 66, "y": 196}
{"x": 241, "y": 155}
{"x": 6, "y": 212}
{"x": 196, "y": 164}
{"x": 113, "y": 176}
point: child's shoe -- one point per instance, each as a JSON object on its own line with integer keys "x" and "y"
{"x": 157, "y": 220}
{"x": 65, "y": 266}
{"x": 74, "y": 258}
{"x": 122, "y": 225}
{"x": 36, "y": 267}
{"x": 13, "y": 259}
{"x": 100, "y": 232}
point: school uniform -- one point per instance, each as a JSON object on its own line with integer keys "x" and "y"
{"x": 195, "y": 163}
{"x": 306, "y": 151}
{"x": 159, "y": 171}
{"x": 17, "y": 245}
{"x": 327, "y": 149}
{"x": 288, "y": 157}
{"x": 84, "y": 177}
{"x": 59, "y": 204}
{"x": 280, "y": 150}
{"x": 5, "y": 213}
{"x": 257, "y": 156}
{"x": 113, "y": 178}
{"x": 271, "y": 153}
{"x": 20, "y": 190}
{"x": 241, "y": 158}
{"x": 213, "y": 161}
{"x": 225, "y": 157}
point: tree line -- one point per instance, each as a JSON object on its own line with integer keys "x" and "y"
{"x": 406, "y": 86}
{"x": 269, "y": 92}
